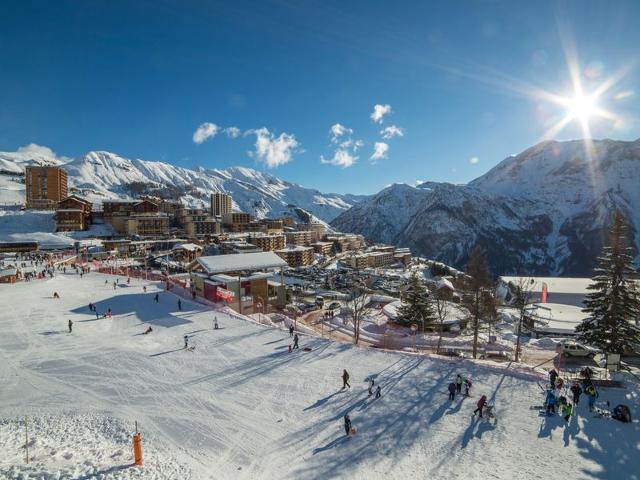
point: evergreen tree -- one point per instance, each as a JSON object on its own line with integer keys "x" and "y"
{"x": 613, "y": 303}
{"x": 416, "y": 305}
{"x": 477, "y": 283}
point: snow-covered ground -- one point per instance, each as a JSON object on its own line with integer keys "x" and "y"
{"x": 241, "y": 406}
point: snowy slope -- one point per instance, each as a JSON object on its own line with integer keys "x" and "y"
{"x": 104, "y": 175}
{"x": 544, "y": 211}
{"x": 241, "y": 407}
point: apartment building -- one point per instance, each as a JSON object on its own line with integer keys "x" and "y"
{"x": 73, "y": 214}
{"x": 45, "y": 186}
{"x": 221, "y": 204}
{"x": 301, "y": 237}
{"x": 296, "y": 256}
{"x": 268, "y": 243}
{"x": 208, "y": 226}
{"x": 147, "y": 225}
{"x": 322, "y": 248}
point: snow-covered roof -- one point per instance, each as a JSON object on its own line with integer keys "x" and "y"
{"x": 556, "y": 318}
{"x": 191, "y": 247}
{"x": 240, "y": 262}
{"x": 8, "y": 271}
{"x": 554, "y": 284}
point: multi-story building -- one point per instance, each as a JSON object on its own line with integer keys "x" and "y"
{"x": 319, "y": 228}
{"x": 73, "y": 214}
{"x": 268, "y": 243}
{"x": 402, "y": 255}
{"x": 296, "y": 256}
{"x": 322, "y": 248}
{"x": 238, "y": 246}
{"x": 208, "y": 226}
{"x": 221, "y": 204}
{"x": 358, "y": 261}
{"x": 45, "y": 186}
{"x": 147, "y": 224}
{"x": 236, "y": 221}
{"x": 272, "y": 225}
{"x": 301, "y": 237}
{"x": 380, "y": 259}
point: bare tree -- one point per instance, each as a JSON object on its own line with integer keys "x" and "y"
{"x": 442, "y": 310}
{"x": 357, "y": 307}
{"x": 477, "y": 283}
{"x": 522, "y": 295}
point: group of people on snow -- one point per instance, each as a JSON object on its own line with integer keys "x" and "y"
{"x": 556, "y": 395}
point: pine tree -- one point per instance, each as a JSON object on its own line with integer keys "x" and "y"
{"x": 477, "y": 283}
{"x": 416, "y": 305}
{"x": 613, "y": 303}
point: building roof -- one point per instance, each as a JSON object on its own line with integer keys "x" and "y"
{"x": 8, "y": 271}
{"x": 294, "y": 248}
{"x": 191, "y": 247}
{"x": 240, "y": 262}
{"x": 555, "y": 318}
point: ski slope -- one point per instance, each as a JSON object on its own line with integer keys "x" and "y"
{"x": 240, "y": 406}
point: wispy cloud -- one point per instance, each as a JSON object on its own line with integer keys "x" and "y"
{"x": 204, "y": 132}
{"x": 273, "y": 151}
{"x": 379, "y": 111}
{"x": 232, "y": 132}
{"x": 337, "y": 131}
{"x": 380, "y": 150}
{"x": 341, "y": 158}
{"x": 391, "y": 131}
{"x": 474, "y": 160}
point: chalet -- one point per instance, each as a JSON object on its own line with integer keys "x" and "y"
{"x": 73, "y": 214}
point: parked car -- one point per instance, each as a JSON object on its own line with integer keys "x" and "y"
{"x": 574, "y": 349}
{"x": 320, "y": 301}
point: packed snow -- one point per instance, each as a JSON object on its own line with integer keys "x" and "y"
{"x": 241, "y": 406}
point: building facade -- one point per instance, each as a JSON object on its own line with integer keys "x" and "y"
{"x": 73, "y": 214}
{"x": 221, "y": 204}
{"x": 268, "y": 243}
{"x": 296, "y": 256}
{"x": 45, "y": 186}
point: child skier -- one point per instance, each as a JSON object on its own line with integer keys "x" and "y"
{"x": 458, "y": 384}
{"x": 186, "y": 341}
{"x": 378, "y": 391}
{"x": 371, "y": 384}
{"x": 345, "y": 379}
{"x": 347, "y": 424}
{"x": 481, "y": 404}
{"x": 295, "y": 341}
{"x": 291, "y": 330}
{"x": 452, "y": 391}
{"x": 567, "y": 409}
{"x": 467, "y": 387}
{"x": 70, "y": 326}
{"x": 592, "y": 393}
{"x": 552, "y": 378}
{"x": 576, "y": 391}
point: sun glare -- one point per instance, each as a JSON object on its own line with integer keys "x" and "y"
{"x": 582, "y": 107}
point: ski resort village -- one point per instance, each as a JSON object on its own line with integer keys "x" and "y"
{"x": 317, "y": 240}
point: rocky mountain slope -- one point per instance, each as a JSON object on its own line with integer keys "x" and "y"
{"x": 104, "y": 175}
{"x": 544, "y": 211}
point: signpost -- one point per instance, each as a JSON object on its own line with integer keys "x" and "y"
{"x": 414, "y": 329}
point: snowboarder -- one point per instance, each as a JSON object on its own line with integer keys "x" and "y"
{"x": 186, "y": 341}
{"x": 291, "y": 330}
{"x": 148, "y": 331}
{"x": 552, "y": 378}
{"x": 55, "y": 295}
{"x": 481, "y": 403}
{"x": 179, "y": 305}
{"x": 347, "y": 424}
{"x": 345, "y": 379}
{"x": 378, "y": 391}
{"x": 467, "y": 387}
{"x": 371, "y": 384}
{"x": 458, "y": 384}
{"x": 592, "y": 393}
{"x": 295, "y": 341}
{"x": 576, "y": 392}
{"x": 70, "y": 326}
{"x": 452, "y": 391}
{"x": 567, "y": 409}
{"x": 157, "y": 298}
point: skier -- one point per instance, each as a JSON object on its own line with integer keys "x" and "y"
{"x": 179, "y": 305}
{"x": 157, "y": 298}
{"x": 115, "y": 285}
{"x": 109, "y": 314}
{"x": 378, "y": 391}
{"x": 371, "y": 384}
{"x": 291, "y": 330}
{"x": 345, "y": 379}
{"x": 148, "y": 331}
{"x": 97, "y": 314}
{"x": 128, "y": 280}
{"x": 458, "y": 384}
{"x": 552, "y": 378}
{"x": 215, "y": 323}
{"x": 467, "y": 387}
{"x": 70, "y": 326}
{"x": 576, "y": 391}
{"x": 144, "y": 289}
{"x": 186, "y": 341}
{"x": 481, "y": 403}
{"x": 452, "y": 391}
{"x": 90, "y": 307}
{"x": 347, "y": 424}
{"x": 592, "y": 393}
{"x": 551, "y": 403}
{"x": 295, "y": 341}
{"x": 106, "y": 281}
{"x": 567, "y": 409}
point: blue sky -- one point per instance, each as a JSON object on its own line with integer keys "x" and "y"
{"x": 138, "y": 78}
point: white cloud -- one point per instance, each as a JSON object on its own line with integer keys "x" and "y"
{"x": 380, "y": 150}
{"x": 204, "y": 132}
{"x": 379, "y": 111}
{"x": 41, "y": 152}
{"x": 272, "y": 150}
{"x": 342, "y": 158}
{"x": 338, "y": 131}
{"x": 232, "y": 132}
{"x": 391, "y": 131}
{"x": 473, "y": 160}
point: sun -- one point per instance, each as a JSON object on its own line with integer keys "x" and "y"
{"x": 582, "y": 107}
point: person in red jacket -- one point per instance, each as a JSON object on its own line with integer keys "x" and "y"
{"x": 481, "y": 403}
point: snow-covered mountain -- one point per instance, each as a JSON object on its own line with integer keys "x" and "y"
{"x": 544, "y": 211}
{"x": 104, "y": 175}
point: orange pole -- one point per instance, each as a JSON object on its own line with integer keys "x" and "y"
{"x": 137, "y": 449}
